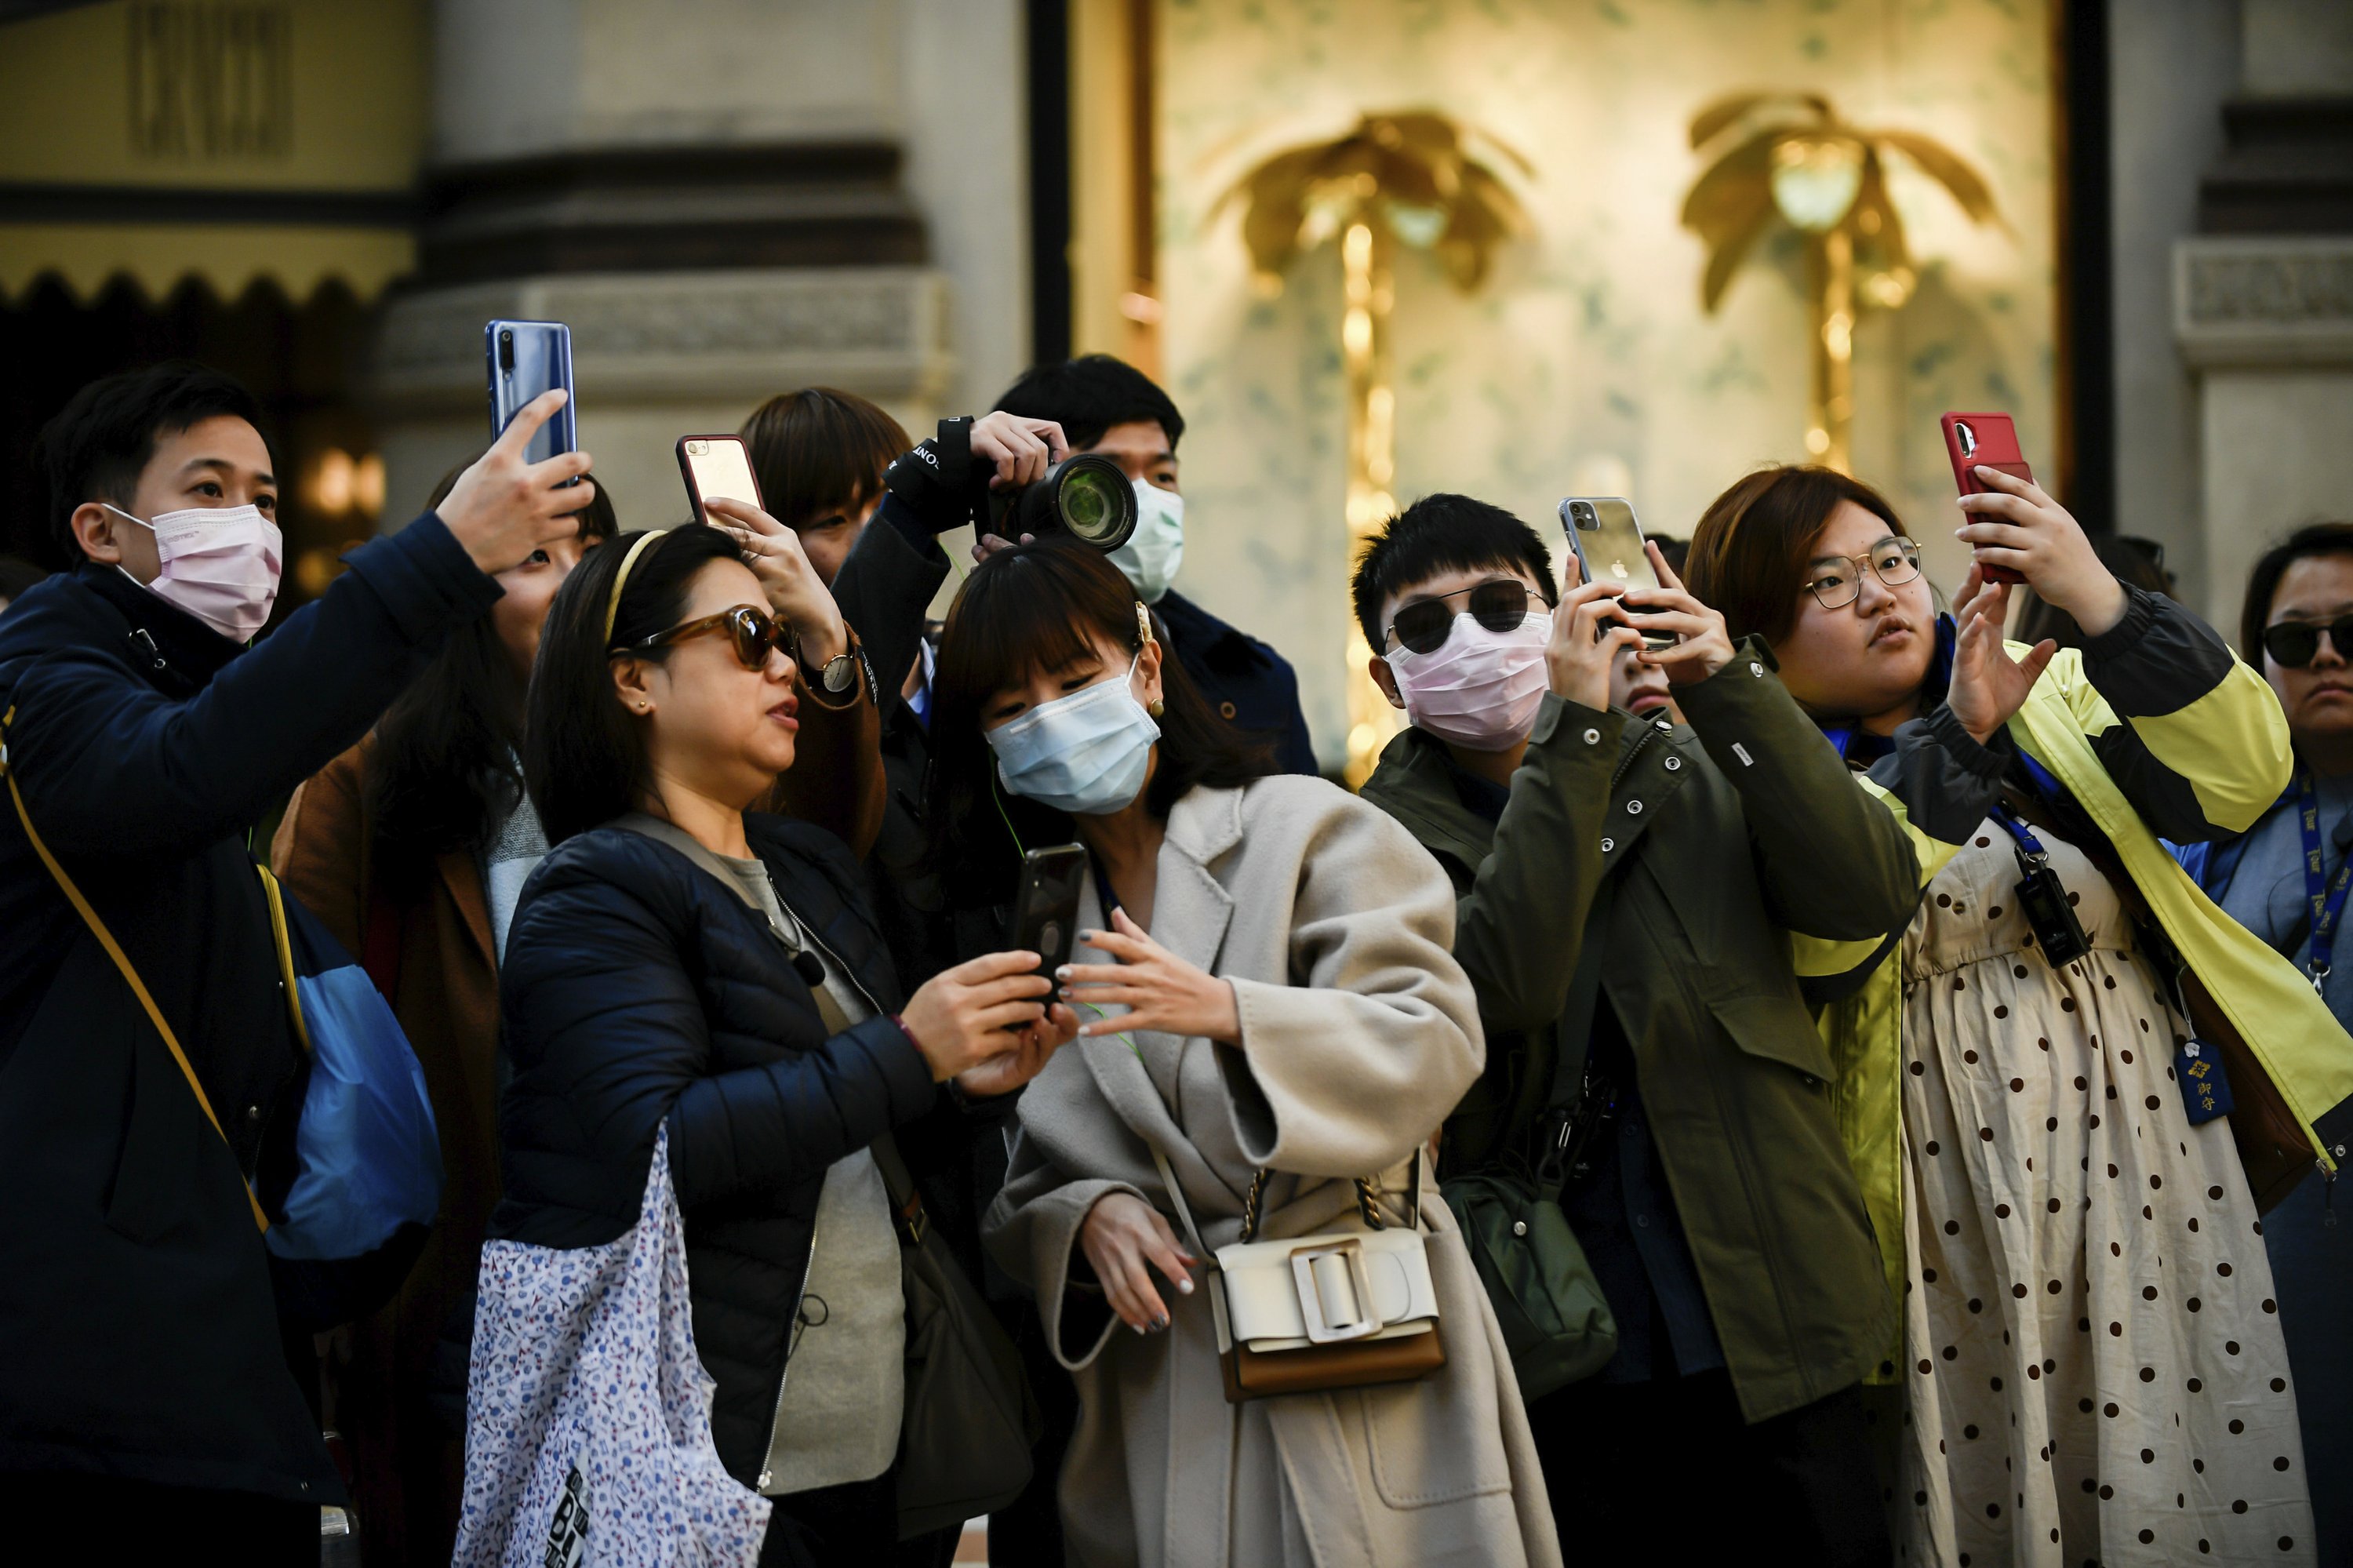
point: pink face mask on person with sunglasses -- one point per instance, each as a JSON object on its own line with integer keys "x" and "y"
{"x": 1481, "y": 687}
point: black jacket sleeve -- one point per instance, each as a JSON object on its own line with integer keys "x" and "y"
{"x": 121, "y": 768}
{"x": 1833, "y": 862}
{"x": 886, "y": 586}
{"x": 2157, "y": 659}
{"x": 1947, "y": 781}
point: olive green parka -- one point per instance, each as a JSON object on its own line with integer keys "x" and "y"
{"x": 1723, "y": 837}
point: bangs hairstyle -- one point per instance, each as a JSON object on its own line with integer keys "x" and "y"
{"x": 102, "y": 439}
{"x": 821, "y": 453}
{"x": 1089, "y": 394}
{"x": 444, "y": 772}
{"x": 1040, "y": 607}
{"x": 1443, "y": 533}
{"x": 583, "y": 755}
{"x": 1748, "y": 556}
{"x": 2263, "y": 581}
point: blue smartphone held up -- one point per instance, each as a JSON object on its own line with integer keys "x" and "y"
{"x": 527, "y": 358}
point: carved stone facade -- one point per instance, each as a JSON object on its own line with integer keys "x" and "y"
{"x": 2266, "y": 323}
{"x": 2275, "y": 300}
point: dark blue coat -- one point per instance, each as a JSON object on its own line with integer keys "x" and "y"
{"x": 638, "y": 991}
{"x": 1248, "y": 683}
{"x": 138, "y": 1332}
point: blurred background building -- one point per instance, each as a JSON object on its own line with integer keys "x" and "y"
{"x": 2152, "y": 270}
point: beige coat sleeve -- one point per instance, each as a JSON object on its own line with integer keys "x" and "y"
{"x": 1352, "y": 1064}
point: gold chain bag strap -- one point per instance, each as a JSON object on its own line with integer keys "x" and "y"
{"x": 1337, "y": 1309}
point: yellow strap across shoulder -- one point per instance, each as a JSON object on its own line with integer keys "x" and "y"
{"x": 121, "y": 961}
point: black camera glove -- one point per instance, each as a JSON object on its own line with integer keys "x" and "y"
{"x": 935, "y": 479}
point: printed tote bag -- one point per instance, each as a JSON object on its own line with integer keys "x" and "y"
{"x": 588, "y": 1414}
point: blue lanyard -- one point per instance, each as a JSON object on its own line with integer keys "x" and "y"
{"x": 2327, "y": 895}
{"x": 2030, "y": 848}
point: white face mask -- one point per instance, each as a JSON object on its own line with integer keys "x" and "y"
{"x": 1153, "y": 553}
{"x": 1086, "y": 752}
{"x": 220, "y": 563}
{"x": 1479, "y": 689}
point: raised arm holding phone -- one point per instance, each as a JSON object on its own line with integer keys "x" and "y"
{"x": 144, "y": 740}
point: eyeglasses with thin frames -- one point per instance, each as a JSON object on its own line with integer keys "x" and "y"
{"x": 1836, "y": 581}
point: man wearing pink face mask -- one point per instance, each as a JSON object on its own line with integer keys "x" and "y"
{"x": 145, "y": 1393}
{"x": 1623, "y": 886}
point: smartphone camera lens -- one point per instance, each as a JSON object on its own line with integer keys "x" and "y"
{"x": 1967, "y": 438}
{"x": 506, "y": 350}
{"x": 1584, "y": 515}
{"x": 698, "y": 448}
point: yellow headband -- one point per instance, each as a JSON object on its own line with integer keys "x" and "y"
{"x": 621, "y": 579}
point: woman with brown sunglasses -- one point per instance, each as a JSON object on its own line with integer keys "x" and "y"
{"x": 681, "y": 963}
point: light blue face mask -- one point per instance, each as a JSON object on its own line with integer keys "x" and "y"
{"x": 1150, "y": 558}
{"x": 1085, "y": 754}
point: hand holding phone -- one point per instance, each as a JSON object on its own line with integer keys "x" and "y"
{"x": 716, "y": 466}
{"x": 1990, "y": 440}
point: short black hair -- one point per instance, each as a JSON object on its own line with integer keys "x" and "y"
{"x": 102, "y": 439}
{"x": 1088, "y": 396}
{"x": 1440, "y": 533}
{"x": 2334, "y": 538}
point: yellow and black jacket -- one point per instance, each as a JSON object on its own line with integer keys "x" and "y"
{"x": 2156, "y": 730}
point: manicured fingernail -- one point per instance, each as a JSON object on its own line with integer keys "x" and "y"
{"x": 1160, "y": 1323}
{"x": 1185, "y": 1288}
{"x": 1063, "y": 974}
{"x": 1139, "y": 1328}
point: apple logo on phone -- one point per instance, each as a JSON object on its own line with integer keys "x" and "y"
{"x": 1618, "y": 570}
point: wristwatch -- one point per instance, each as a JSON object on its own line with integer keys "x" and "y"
{"x": 838, "y": 678}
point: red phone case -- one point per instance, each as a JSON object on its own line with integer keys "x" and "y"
{"x": 1995, "y": 445}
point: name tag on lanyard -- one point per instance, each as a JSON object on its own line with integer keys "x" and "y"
{"x": 2325, "y": 895}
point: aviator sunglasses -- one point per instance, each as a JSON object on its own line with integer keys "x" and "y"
{"x": 2293, "y": 644}
{"x": 1423, "y": 626}
{"x": 753, "y": 633}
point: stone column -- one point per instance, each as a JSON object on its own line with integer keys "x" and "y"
{"x": 717, "y": 197}
{"x": 2264, "y": 294}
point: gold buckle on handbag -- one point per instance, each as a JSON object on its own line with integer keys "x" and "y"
{"x": 1321, "y": 1330}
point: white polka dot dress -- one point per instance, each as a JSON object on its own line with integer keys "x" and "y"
{"x": 2095, "y": 1367}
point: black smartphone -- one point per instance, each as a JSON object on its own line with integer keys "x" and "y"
{"x": 1046, "y": 909}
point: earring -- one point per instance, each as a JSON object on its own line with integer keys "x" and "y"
{"x": 1156, "y": 707}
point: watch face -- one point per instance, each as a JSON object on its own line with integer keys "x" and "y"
{"x": 840, "y": 671}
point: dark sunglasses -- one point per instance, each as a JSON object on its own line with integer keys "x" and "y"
{"x": 2292, "y": 644}
{"x": 754, "y": 632}
{"x": 1423, "y": 626}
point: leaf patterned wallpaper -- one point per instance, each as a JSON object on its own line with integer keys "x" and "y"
{"x": 1585, "y": 365}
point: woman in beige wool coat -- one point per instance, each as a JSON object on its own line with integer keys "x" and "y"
{"x": 1272, "y": 991}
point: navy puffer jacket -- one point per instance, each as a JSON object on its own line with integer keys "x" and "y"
{"x": 636, "y": 989}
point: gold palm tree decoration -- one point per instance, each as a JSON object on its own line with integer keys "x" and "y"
{"x": 1826, "y": 179}
{"x": 1405, "y": 177}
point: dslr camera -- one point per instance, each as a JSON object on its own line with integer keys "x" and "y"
{"x": 1085, "y": 497}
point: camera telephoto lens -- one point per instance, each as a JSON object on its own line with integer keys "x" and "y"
{"x": 1087, "y": 496}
